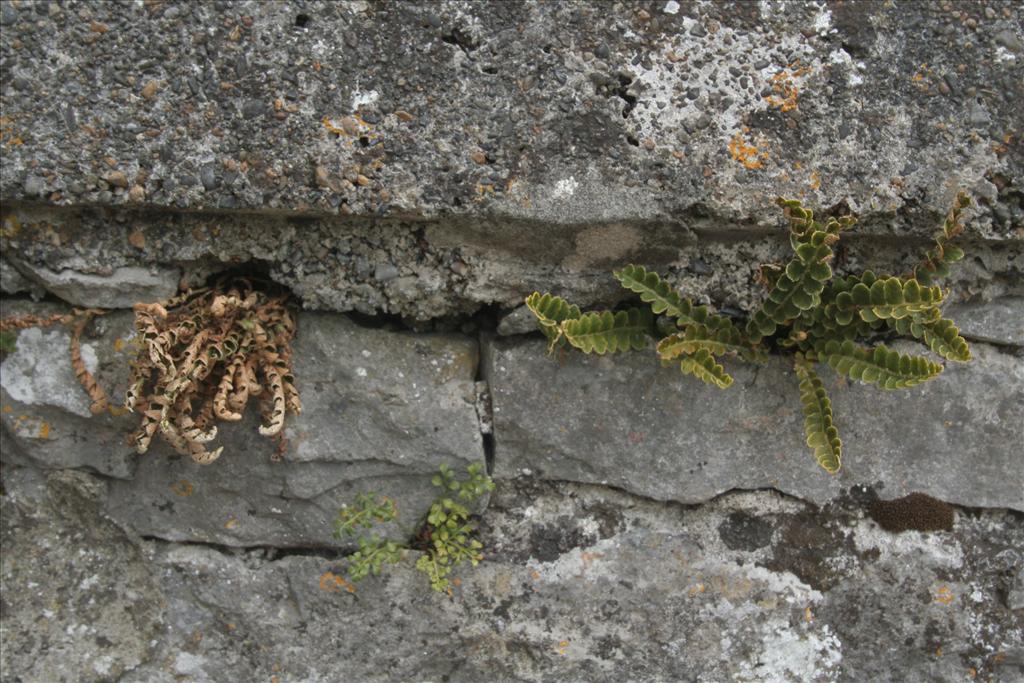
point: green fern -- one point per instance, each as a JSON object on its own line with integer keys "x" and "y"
{"x": 603, "y": 332}
{"x": 703, "y": 366}
{"x": 938, "y": 259}
{"x": 806, "y": 311}
{"x": 550, "y": 312}
{"x": 663, "y": 299}
{"x": 941, "y": 336}
{"x": 822, "y": 436}
{"x": 884, "y": 367}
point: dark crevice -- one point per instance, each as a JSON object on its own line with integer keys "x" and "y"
{"x": 485, "y": 409}
{"x": 623, "y": 92}
{"x": 460, "y": 39}
{"x": 270, "y": 552}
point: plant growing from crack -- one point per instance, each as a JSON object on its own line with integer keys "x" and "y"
{"x": 806, "y": 312}
{"x": 204, "y": 354}
{"x": 446, "y": 538}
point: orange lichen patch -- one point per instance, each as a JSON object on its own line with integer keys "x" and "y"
{"x": 8, "y": 134}
{"x": 745, "y": 153}
{"x": 697, "y": 589}
{"x": 924, "y": 78}
{"x": 944, "y": 595}
{"x": 44, "y": 430}
{"x": 332, "y": 583}
{"x": 117, "y": 411}
{"x": 7, "y": 409}
{"x": 483, "y": 189}
{"x": 231, "y": 523}
{"x": 118, "y": 345}
{"x": 562, "y": 646}
{"x": 815, "y": 180}
{"x": 784, "y": 90}
{"x": 346, "y": 125}
{"x": 808, "y": 617}
{"x": 182, "y": 487}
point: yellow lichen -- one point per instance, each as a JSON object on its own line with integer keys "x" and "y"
{"x": 745, "y": 153}
{"x": 784, "y": 88}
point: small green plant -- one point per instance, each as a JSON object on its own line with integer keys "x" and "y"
{"x": 8, "y": 341}
{"x": 806, "y": 313}
{"x": 446, "y": 537}
{"x": 374, "y": 552}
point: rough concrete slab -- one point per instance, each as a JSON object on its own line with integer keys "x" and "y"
{"x": 624, "y": 421}
{"x": 562, "y": 113}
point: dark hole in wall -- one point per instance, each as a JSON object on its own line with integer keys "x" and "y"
{"x": 302, "y": 20}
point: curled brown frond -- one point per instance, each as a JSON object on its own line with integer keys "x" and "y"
{"x": 204, "y": 355}
{"x": 85, "y": 378}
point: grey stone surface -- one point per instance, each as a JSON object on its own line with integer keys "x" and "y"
{"x": 626, "y": 422}
{"x": 80, "y": 600}
{"x": 998, "y": 322}
{"x": 382, "y": 411}
{"x": 579, "y": 583}
{"x": 13, "y": 282}
{"x": 563, "y": 112}
{"x": 120, "y": 289}
{"x": 43, "y": 408}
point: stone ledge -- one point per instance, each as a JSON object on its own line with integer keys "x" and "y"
{"x": 566, "y": 112}
{"x": 626, "y": 422}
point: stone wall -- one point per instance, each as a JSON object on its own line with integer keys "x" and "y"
{"x": 410, "y": 172}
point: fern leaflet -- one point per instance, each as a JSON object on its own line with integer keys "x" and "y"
{"x": 884, "y": 367}
{"x": 822, "y": 436}
{"x": 603, "y": 332}
{"x": 550, "y": 312}
{"x": 703, "y": 366}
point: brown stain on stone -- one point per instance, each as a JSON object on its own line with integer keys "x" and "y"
{"x": 603, "y": 245}
{"x": 917, "y": 512}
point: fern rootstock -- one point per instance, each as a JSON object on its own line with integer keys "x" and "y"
{"x": 807, "y": 312}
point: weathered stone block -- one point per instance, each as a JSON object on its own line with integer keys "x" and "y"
{"x": 626, "y": 422}
{"x": 381, "y": 412}
{"x": 122, "y": 288}
{"x": 999, "y": 322}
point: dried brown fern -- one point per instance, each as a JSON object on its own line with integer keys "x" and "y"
{"x": 204, "y": 354}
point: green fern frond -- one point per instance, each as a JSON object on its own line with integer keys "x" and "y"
{"x": 703, "y": 366}
{"x": 884, "y": 367}
{"x": 802, "y": 225}
{"x": 822, "y": 436}
{"x": 937, "y": 259}
{"x": 663, "y": 299}
{"x": 798, "y": 288}
{"x": 716, "y": 340}
{"x": 603, "y": 332}
{"x": 941, "y": 336}
{"x": 550, "y": 312}
{"x": 652, "y": 290}
{"x": 888, "y": 298}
